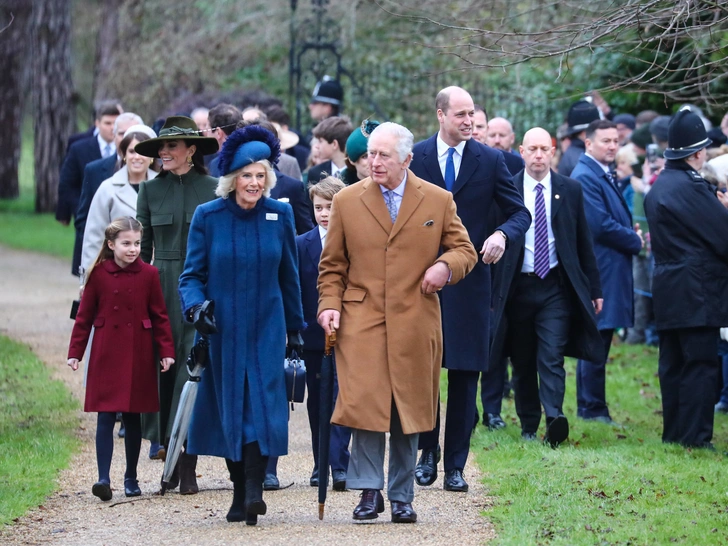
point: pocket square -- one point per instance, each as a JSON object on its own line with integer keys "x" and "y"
{"x": 429, "y": 223}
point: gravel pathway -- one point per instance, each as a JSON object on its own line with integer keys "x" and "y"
{"x": 35, "y": 296}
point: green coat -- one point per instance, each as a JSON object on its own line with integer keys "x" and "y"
{"x": 165, "y": 207}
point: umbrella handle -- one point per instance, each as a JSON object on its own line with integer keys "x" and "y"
{"x": 330, "y": 341}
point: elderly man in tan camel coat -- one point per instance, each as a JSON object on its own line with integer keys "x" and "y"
{"x": 393, "y": 242}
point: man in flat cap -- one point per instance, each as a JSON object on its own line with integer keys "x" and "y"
{"x": 688, "y": 222}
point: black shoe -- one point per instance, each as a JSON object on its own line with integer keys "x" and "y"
{"x": 721, "y": 407}
{"x": 271, "y": 483}
{"x": 102, "y": 490}
{"x": 426, "y": 470}
{"x": 528, "y": 436}
{"x": 402, "y": 512}
{"x": 605, "y": 419}
{"x": 314, "y": 479}
{"x": 493, "y": 421}
{"x": 188, "y": 474}
{"x": 122, "y": 430}
{"x": 338, "y": 477}
{"x": 131, "y": 488}
{"x": 370, "y": 505}
{"x": 255, "y": 465}
{"x": 557, "y": 431}
{"x": 237, "y": 508}
{"x": 454, "y": 481}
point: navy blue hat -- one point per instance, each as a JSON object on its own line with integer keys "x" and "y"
{"x": 625, "y": 119}
{"x": 686, "y": 135}
{"x": 659, "y": 127}
{"x": 328, "y": 90}
{"x": 248, "y": 145}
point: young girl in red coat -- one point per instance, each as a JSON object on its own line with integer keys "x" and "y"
{"x": 123, "y": 301}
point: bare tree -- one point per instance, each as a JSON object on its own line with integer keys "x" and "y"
{"x": 14, "y": 22}
{"x": 52, "y": 90}
{"x": 673, "y": 47}
{"x": 106, "y": 44}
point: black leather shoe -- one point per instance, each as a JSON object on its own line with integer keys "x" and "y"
{"x": 426, "y": 470}
{"x": 493, "y": 421}
{"x": 102, "y": 490}
{"x": 338, "y": 477}
{"x": 402, "y": 512}
{"x": 370, "y": 505}
{"x": 271, "y": 483}
{"x": 454, "y": 481}
{"x": 314, "y": 480}
{"x": 528, "y": 436}
{"x": 557, "y": 431}
{"x": 131, "y": 488}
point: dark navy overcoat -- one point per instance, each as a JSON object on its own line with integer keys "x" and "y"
{"x": 246, "y": 262}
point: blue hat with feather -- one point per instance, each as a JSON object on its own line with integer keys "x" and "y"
{"x": 248, "y": 145}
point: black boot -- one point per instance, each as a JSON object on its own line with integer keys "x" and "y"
{"x": 237, "y": 508}
{"x": 174, "y": 479}
{"x": 255, "y": 464}
{"x": 187, "y": 474}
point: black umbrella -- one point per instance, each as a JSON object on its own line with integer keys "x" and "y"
{"x": 327, "y": 399}
{"x": 196, "y": 363}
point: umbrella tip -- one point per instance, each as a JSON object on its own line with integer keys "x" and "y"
{"x": 321, "y": 510}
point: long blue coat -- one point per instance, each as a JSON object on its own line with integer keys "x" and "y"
{"x": 246, "y": 262}
{"x": 615, "y": 242}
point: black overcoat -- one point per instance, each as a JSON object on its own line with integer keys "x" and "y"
{"x": 689, "y": 236}
{"x": 576, "y": 258}
{"x": 483, "y": 180}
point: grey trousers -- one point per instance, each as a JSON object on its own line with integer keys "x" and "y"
{"x": 366, "y": 465}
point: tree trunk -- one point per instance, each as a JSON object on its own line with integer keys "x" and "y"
{"x": 52, "y": 89}
{"x": 13, "y": 55}
{"x": 106, "y": 46}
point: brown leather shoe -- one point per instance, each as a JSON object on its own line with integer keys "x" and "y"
{"x": 370, "y": 505}
{"x": 402, "y": 512}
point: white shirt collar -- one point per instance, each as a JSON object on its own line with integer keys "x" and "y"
{"x": 442, "y": 147}
{"x": 530, "y": 182}
{"x": 103, "y": 143}
{"x": 604, "y": 167}
{"x": 322, "y": 232}
{"x": 399, "y": 190}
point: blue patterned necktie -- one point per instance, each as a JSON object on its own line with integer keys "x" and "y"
{"x": 107, "y": 150}
{"x": 541, "y": 236}
{"x": 450, "y": 170}
{"x": 391, "y": 205}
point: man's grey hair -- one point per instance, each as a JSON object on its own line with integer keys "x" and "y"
{"x": 127, "y": 116}
{"x": 226, "y": 184}
{"x": 405, "y": 138}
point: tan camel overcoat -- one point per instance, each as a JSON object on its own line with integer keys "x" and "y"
{"x": 390, "y": 337}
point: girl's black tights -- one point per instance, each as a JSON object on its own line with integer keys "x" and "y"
{"x": 105, "y": 443}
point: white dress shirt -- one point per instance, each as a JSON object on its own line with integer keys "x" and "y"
{"x": 529, "y": 199}
{"x": 397, "y": 193}
{"x": 322, "y": 235}
{"x": 604, "y": 167}
{"x": 103, "y": 144}
{"x": 457, "y": 157}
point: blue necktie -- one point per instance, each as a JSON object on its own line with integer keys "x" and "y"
{"x": 540, "y": 236}
{"x": 450, "y": 170}
{"x": 391, "y": 205}
{"x": 107, "y": 150}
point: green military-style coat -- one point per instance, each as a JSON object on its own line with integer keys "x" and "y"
{"x": 165, "y": 207}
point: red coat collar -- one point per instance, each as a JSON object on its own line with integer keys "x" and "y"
{"x": 111, "y": 267}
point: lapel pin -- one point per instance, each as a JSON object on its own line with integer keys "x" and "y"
{"x": 429, "y": 223}
{"x": 271, "y": 216}
{"x": 557, "y": 196}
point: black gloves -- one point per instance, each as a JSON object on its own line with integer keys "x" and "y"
{"x": 295, "y": 343}
{"x": 203, "y": 318}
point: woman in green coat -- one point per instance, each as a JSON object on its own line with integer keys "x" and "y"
{"x": 165, "y": 207}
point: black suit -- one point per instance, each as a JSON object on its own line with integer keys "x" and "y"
{"x": 80, "y": 136}
{"x": 319, "y": 172}
{"x": 538, "y": 321}
{"x": 93, "y": 175}
{"x": 571, "y": 156}
{"x": 290, "y": 189}
{"x": 79, "y": 155}
{"x": 482, "y": 180}
{"x": 688, "y": 228}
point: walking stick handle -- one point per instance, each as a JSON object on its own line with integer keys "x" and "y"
{"x": 330, "y": 340}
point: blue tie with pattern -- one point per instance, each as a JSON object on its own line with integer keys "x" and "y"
{"x": 391, "y": 205}
{"x": 450, "y": 170}
{"x": 541, "y": 236}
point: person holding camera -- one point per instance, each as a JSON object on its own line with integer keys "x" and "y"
{"x": 688, "y": 221}
{"x": 241, "y": 253}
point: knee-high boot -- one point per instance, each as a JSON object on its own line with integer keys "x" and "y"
{"x": 255, "y": 464}
{"x": 237, "y": 476}
{"x": 187, "y": 474}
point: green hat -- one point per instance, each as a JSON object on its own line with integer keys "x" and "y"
{"x": 177, "y": 128}
{"x": 356, "y": 144}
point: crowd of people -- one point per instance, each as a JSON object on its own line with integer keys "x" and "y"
{"x": 464, "y": 251}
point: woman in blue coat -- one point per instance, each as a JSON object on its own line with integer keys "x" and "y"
{"x": 241, "y": 254}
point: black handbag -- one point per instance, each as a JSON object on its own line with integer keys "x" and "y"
{"x": 74, "y": 308}
{"x": 295, "y": 370}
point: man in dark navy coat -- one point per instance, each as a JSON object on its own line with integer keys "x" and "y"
{"x": 688, "y": 227}
{"x": 477, "y": 177}
{"x": 616, "y": 240}
{"x": 546, "y": 292}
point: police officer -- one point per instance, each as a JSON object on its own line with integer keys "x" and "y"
{"x": 688, "y": 226}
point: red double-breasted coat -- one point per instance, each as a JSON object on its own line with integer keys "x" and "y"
{"x": 127, "y": 310}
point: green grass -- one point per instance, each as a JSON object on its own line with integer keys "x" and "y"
{"x": 606, "y": 486}
{"x": 20, "y": 226}
{"x": 37, "y": 419}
